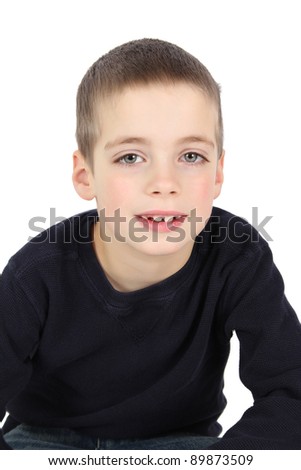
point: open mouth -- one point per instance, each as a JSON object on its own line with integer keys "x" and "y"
{"x": 167, "y": 219}
{"x": 161, "y": 223}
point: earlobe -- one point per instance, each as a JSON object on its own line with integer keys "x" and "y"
{"x": 219, "y": 177}
{"x": 82, "y": 177}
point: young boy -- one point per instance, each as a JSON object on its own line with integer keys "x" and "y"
{"x": 116, "y": 323}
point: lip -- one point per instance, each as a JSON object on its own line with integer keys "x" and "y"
{"x": 160, "y": 212}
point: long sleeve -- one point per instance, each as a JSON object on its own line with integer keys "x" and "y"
{"x": 19, "y": 335}
{"x": 60, "y": 321}
{"x": 270, "y": 356}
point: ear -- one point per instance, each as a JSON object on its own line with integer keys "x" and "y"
{"x": 219, "y": 177}
{"x": 82, "y": 177}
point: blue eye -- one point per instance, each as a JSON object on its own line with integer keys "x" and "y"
{"x": 129, "y": 159}
{"x": 193, "y": 157}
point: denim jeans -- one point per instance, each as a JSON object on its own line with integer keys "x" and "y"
{"x": 36, "y": 438}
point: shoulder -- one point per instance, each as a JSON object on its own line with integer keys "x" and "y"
{"x": 234, "y": 235}
{"x": 55, "y": 244}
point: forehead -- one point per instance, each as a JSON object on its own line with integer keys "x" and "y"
{"x": 156, "y": 108}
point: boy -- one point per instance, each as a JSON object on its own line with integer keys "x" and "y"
{"x": 116, "y": 323}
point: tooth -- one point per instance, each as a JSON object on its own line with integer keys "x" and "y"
{"x": 169, "y": 219}
{"x": 158, "y": 219}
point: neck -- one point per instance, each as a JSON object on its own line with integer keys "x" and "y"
{"x": 128, "y": 270}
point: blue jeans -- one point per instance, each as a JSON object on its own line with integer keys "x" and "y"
{"x": 35, "y": 438}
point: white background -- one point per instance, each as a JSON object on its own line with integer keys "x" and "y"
{"x": 252, "y": 48}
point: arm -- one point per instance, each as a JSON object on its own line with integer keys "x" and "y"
{"x": 270, "y": 356}
{"x": 19, "y": 336}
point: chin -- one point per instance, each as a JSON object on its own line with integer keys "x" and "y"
{"x": 160, "y": 248}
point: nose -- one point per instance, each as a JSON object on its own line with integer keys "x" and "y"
{"x": 163, "y": 181}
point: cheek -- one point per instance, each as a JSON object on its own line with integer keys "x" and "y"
{"x": 118, "y": 187}
{"x": 113, "y": 193}
{"x": 201, "y": 191}
{"x": 201, "y": 200}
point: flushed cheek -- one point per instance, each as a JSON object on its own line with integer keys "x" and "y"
{"x": 201, "y": 193}
{"x": 201, "y": 200}
{"x": 114, "y": 194}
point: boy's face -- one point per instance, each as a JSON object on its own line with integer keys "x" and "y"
{"x": 157, "y": 156}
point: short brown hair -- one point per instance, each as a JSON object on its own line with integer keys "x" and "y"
{"x": 142, "y": 61}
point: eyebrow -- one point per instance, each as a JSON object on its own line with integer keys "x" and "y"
{"x": 142, "y": 140}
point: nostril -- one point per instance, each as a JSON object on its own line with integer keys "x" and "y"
{"x": 160, "y": 192}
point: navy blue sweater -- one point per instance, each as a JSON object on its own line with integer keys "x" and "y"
{"x": 76, "y": 353}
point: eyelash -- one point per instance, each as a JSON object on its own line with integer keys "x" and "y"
{"x": 203, "y": 160}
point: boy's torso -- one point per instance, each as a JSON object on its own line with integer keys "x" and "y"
{"x": 105, "y": 359}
